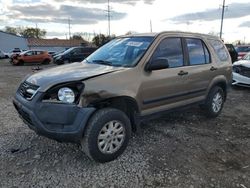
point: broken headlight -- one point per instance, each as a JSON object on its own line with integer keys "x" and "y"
{"x": 64, "y": 93}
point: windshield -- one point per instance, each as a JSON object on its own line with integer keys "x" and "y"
{"x": 66, "y": 51}
{"x": 24, "y": 52}
{"x": 243, "y": 49}
{"x": 121, "y": 51}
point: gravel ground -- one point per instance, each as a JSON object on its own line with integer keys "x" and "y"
{"x": 181, "y": 149}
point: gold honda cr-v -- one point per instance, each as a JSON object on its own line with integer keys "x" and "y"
{"x": 98, "y": 102}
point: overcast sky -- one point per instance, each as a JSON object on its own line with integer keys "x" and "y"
{"x": 129, "y": 15}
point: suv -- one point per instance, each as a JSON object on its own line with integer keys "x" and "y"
{"x": 233, "y": 53}
{"x": 74, "y": 54}
{"x": 98, "y": 102}
{"x": 31, "y": 56}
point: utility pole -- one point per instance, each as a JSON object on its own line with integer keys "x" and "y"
{"x": 36, "y": 31}
{"x": 151, "y": 30}
{"x": 108, "y": 18}
{"x": 69, "y": 31}
{"x": 222, "y": 18}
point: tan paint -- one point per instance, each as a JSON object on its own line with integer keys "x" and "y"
{"x": 145, "y": 86}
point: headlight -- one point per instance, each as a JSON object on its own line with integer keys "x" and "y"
{"x": 237, "y": 69}
{"x": 66, "y": 94}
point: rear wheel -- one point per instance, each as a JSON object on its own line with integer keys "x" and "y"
{"x": 46, "y": 62}
{"x": 66, "y": 61}
{"x": 107, "y": 135}
{"x": 215, "y": 102}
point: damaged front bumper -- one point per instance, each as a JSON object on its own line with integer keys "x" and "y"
{"x": 241, "y": 80}
{"x": 62, "y": 122}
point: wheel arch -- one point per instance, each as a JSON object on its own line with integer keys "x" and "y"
{"x": 220, "y": 82}
{"x": 126, "y": 104}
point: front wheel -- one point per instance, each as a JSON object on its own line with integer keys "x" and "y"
{"x": 107, "y": 135}
{"x": 214, "y": 102}
{"x": 66, "y": 61}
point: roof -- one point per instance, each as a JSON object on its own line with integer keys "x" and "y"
{"x": 12, "y": 34}
{"x": 34, "y": 42}
{"x": 179, "y": 33}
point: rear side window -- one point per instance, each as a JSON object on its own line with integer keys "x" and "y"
{"x": 170, "y": 49}
{"x": 198, "y": 52}
{"x": 219, "y": 49}
{"x": 77, "y": 51}
{"x": 39, "y": 52}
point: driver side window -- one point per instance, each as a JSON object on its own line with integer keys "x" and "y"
{"x": 170, "y": 49}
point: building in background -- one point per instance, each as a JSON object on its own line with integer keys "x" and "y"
{"x": 54, "y": 44}
{"x": 10, "y": 41}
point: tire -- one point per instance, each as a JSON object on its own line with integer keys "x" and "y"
{"x": 46, "y": 62}
{"x": 214, "y": 102}
{"x": 20, "y": 62}
{"x": 66, "y": 61}
{"x": 107, "y": 124}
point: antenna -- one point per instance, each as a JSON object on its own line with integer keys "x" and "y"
{"x": 36, "y": 31}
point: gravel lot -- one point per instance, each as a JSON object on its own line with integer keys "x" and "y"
{"x": 182, "y": 149}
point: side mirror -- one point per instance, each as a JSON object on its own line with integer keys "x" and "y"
{"x": 157, "y": 64}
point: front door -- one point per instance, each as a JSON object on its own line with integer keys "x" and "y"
{"x": 165, "y": 89}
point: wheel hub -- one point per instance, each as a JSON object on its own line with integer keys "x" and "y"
{"x": 111, "y": 137}
{"x": 217, "y": 102}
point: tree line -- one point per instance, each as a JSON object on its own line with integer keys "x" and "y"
{"x": 27, "y": 32}
{"x": 30, "y": 32}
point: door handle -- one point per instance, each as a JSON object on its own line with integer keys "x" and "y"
{"x": 181, "y": 73}
{"x": 213, "y": 68}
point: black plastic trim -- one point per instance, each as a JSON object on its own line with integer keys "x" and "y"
{"x": 149, "y": 101}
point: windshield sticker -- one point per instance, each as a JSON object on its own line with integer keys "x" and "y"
{"x": 135, "y": 44}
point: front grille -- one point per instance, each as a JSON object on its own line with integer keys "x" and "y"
{"x": 27, "y": 90}
{"x": 242, "y": 70}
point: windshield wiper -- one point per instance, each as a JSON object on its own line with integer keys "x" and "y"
{"x": 103, "y": 62}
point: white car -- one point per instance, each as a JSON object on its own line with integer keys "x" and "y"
{"x": 2, "y": 54}
{"x": 12, "y": 52}
{"x": 241, "y": 71}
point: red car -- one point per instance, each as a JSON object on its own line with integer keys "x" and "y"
{"x": 242, "y": 50}
{"x": 31, "y": 56}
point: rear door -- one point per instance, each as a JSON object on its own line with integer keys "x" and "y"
{"x": 87, "y": 51}
{"x": 40, "y": 56}
{"x": 76, "y": 55}
{"x": 200, "y": 68}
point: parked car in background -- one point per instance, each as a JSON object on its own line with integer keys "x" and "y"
{"x": 57, "y": 53}
{"x": 13, "y": 52}
{"x": 242, "y": 50}
{"x": 74, "y": 54}
{"x": 233, "y": 53}
{"x": 241, "y": 71}
{"x": 51, "y": 53}
{"x": 2, "y": 54}
{"x": 98, "y": 102}
{"x": 31, "y": 56}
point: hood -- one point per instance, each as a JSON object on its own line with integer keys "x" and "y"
{"x": 245, "y": 63}
{"x": 70, "y": 72}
